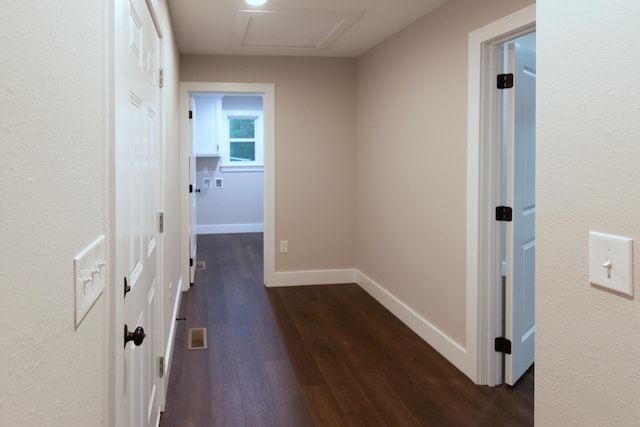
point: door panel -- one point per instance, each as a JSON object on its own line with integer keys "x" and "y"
{"x": 137, "y": 147}
{"x": 193, "y": 241}
{"x": 521, "y": 149}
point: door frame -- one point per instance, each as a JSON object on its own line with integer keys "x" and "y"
{"x": 484, "y": 178}
{"x": 268, "y": 92}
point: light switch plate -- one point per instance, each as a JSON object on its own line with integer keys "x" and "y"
{"x": 616, "y": 250}
{"x": 90, "y": 277}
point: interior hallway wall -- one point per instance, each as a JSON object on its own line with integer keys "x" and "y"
{"x": 412, "y": 142}
{"x": 53, "y": 176}
{"x": 54, "y": 189}
{"x": 587, "y": 350}
{"x": 314, "y": 149}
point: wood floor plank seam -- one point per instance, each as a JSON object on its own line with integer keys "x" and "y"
{"x": 325, "y": 356}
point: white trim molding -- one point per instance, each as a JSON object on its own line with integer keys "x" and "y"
{"x": 483, "y": 266}
{"x": 445, "y": 345}
{"x": 313, "y": 277}
{"x": 168, "y": 352}
{"x": 268, "y": 91}
{"x": 229, "y": 228}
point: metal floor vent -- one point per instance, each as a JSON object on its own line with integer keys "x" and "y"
{"x": 201, "y": 265}
{"x": 197, "y": 339}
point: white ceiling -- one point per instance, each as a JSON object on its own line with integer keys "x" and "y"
{"x": 339, "y": 28}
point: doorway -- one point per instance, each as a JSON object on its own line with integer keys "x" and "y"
{"x": 229, "y": 151}
{"x": 486, "y": 190}
{"x": 191, "y": 181}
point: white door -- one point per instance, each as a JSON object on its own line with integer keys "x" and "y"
{"x": 193, "y": 241}
{"x": 137, "y": 196}
{"x": 520, "y": 251}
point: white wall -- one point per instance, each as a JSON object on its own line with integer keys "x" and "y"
{"x": 53, "y": 184}
{"x": 588, "y": 150}
{"x": 236, "y": 207}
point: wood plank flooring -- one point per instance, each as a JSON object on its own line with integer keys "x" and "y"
{"x": 313, "y": 356}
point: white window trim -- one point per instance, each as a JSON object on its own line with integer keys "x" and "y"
{"x": 257, "y": 165}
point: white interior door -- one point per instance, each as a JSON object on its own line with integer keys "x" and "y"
{"x": 520, "y": 253}
{"x": 137, "y": 197}
{"x": 193, "y": 242}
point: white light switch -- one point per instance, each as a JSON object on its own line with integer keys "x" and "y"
{"x": 90, "y": 276}
{"x": 611, "y": 262}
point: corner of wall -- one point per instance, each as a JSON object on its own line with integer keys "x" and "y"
{"x": 446, "y": 346}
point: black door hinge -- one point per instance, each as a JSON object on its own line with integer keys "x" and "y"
{"x": 190, "y": 114}
{"x": 190, "y": 262}
{"x": 503, "y": 345}
{"x": 504, "y": 213}
{"x": 190, "y": 188}
{"x": 161, "y": 366}
{"x": 505, "y": 81}
{"x": 127, "y": 288}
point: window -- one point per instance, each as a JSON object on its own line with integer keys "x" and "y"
{"x": 242, "y": 140}
{"x": 242, "y": 146}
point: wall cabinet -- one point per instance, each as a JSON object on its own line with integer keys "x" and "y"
{"x": 207, "y": 117}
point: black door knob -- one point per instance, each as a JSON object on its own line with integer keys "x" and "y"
{"x": 137, "y": 336}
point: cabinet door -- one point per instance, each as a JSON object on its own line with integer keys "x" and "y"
{"x": 207, "y": 113}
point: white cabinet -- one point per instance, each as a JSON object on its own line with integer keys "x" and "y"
{"x": 207, "y": 119}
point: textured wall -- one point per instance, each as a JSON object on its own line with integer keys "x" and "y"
{"x": 587, "y": 351}
{"x": 412, "y": 142}
{"x": 53, "y": 184}
{"x": 53, "y": 187}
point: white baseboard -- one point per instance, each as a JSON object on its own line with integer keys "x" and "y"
{"x": 168, "y": 352}
{"x": 449, "y": 348}
{"x": 313, "y": 277}
{"x": 446, "y": 346}
{"x": 229, "y": 228}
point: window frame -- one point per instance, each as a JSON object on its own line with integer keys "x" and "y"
{"x": 225, "y": 146}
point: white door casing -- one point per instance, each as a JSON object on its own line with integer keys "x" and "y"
{"x": 267, "y": 90}
{"x": 484, "y": 190}
{"x": 137, "y": 200}
{"x": 193, "y": 241}
{"x": 520, "y": 233}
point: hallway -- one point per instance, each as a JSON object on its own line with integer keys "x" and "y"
{"x": 313, "y": 356}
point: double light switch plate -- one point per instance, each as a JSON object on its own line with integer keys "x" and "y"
{"x": 90, "y": 274}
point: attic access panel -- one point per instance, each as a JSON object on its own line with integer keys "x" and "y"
{"x": 277, "y": 30}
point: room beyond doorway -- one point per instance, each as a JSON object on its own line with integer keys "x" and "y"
{"x": 228, "y": 141}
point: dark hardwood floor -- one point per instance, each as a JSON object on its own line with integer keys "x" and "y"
{"x": 313, "y": 356}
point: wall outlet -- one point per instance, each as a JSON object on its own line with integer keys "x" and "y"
{"x": 284, "y": 246}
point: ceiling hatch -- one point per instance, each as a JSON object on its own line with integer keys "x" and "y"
{"x": 270, "y": 31}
